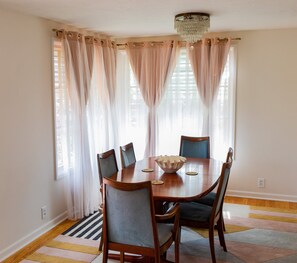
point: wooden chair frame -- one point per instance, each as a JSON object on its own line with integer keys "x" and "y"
{"x": 158, "y": 250}
{"x": 216, "y": 218}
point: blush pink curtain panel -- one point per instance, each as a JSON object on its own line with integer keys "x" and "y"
{"x": 208, "y": 58}
{"x": 152, "y": 64}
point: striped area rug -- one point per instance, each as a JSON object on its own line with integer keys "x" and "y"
{"x": 254, "y": 235}
{"x": 77, "y": 244}
{"x": 65, "y": 249}
{"x": 88, "y": 228}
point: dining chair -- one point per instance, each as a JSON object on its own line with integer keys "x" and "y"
{"x": 210, "y": 197}
{"x": 195, "y": 147}
{"x": 197, "y": 215}
{"x": 130, "y": 224}
{"x": 127, "y": 155}
{"x": 107, "y": 166}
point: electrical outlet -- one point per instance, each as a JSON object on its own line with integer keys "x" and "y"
{"x": 43, "y": 212}
{"x": 261, "y": 182}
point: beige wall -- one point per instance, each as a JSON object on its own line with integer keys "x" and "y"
{"x": 266, "y": 128}
{"x": 266, "y": 116}
{"x": 26, "y": 133}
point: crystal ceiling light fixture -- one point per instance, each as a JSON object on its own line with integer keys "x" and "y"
{"x": 191, "y": 26}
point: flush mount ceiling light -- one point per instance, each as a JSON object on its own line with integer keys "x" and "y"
{"x": 191, "y": 26}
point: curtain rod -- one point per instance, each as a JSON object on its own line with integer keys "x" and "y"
{"x": 180, "y": 41}
{"x": 153, "y": 42}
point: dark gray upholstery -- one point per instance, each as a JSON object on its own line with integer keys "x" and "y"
{"x": 195, "y": 212}
{"x": 133, "y": 226}
{"x": 130, "y": 220}
{"x": 221, "y": 194}
{"x": 207, "y": 199}
{"x": 108, "y": 166}
{"x": 128, "y": 156}
{"x": 164, "y": 232}
{"x": 193, "y": 149}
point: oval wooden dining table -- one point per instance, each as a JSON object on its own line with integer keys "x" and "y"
{"x": 176, "y": 187}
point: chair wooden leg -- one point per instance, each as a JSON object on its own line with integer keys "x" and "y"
{"x": 105, "y": 255}
{"x": 101, "y": 243}
{"x": 211, "y": 244}
{"x": 122, "y": 256}
{"x": 223, "y": 223}
{"x": 221, "y": 234}
{"x": 176, "y": 248}
{"x": 164, "y": 255}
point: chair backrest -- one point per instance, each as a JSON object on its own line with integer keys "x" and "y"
{"x": 107, "y": 164}
{"x": 229, "y": 157}
{"x": 129, "y": 214}
{"x": 196, "y": 147}
{"x": 222, "y": 187}
{"x": 127, "y": 154}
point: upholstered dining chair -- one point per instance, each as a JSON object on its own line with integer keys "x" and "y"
{"x": 130, "y": 224}
{"x": 196, "y": 147}
{"x": 210, "y": 197}
{"x": 127, "y": 155}
{"x": 107, "y": 166}
{"x": 197, "y": 215}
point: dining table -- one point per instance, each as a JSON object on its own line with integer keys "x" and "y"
{"x": 196, "y": 178}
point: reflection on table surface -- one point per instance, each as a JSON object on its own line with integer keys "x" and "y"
{"x": 179, "y": 186}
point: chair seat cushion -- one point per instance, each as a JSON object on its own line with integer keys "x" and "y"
{"x": 164, "y": 232}
{"x": 207, "y": 199}
{"x": 195, "y": 212}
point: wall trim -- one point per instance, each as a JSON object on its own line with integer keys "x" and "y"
{"x": 7, "y": 252}
{"x": 262, "y": 196}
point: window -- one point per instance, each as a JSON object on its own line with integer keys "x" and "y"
{"x": 179, "y": 113}
{"x": 181, "y": 109}
{"x": 60, "y": 104}
{"x": 132, "y": 111}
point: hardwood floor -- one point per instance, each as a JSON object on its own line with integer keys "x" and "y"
{"x": 263, "y": 203}
{"x": 39, "y": 242}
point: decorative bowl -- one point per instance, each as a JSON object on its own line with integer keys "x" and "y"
{"x": 171, "y": 163}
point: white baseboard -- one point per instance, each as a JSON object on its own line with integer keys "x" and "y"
{"x": 32, "y": 236}
{"x": 263, "y": 196}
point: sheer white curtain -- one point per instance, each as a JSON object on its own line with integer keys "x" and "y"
{"x": 75, "y": 151}
{"x": 85, "y": 116}
{"x": 101, "y": 107}
{"x": 181, "y": 108}
{"x": 132, "y": 111}
{"x": 222, "y": 114}
{"x": 103, "y": 90}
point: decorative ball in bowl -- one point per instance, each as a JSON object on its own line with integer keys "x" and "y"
{"x": 170, "y": 164}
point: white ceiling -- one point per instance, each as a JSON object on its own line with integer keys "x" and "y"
{"x": 134, "y": 18}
